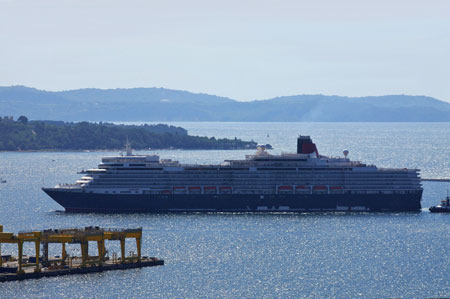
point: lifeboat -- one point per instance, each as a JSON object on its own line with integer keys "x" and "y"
{"x": 302, "y": 189}
{"x": 195, "y": 189}
{"x": 210, "y": 189}
{"x": 320, "y": 189}
{"x": 285, "y": 189}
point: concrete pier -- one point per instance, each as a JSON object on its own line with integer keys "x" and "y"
{"x": 79, "y": 270}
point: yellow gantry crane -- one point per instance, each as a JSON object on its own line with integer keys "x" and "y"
{"x": 73, "y": 236}
{"x": 122, "y": 235}
{"x": 19, "y": 240}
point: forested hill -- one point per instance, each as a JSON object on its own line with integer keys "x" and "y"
{"x": 160, "y": 104}
{"x": 41, "y": 135}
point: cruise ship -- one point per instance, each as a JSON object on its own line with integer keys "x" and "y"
{"x": 304, "y": 181}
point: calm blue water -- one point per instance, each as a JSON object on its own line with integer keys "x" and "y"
{"x": 243, "y": 255}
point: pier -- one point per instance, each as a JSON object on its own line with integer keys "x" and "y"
{"x": 23, "y": 267}
{"x": 435, "y": 180}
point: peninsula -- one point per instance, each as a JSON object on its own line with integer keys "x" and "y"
{"x": 21, "y": 134}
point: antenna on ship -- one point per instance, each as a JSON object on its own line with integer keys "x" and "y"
{"x": 129, "y": 151}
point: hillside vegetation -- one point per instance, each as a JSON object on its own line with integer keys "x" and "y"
{"x": 159, "y": 104}
{"x": 44, "y": 135}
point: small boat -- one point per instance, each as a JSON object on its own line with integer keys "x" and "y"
{"x": 444, "y": 207}
{"x": 2, "y": 181}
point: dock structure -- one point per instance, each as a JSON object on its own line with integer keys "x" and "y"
{"x": 435, "y": 180}
{"x": 64, "y": 264}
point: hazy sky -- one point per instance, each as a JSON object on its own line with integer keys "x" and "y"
{"x": 240, "y": 49}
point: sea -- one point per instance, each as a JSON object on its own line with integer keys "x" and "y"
{"x": 283, "y": 255}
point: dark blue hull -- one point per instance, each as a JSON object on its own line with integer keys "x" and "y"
{"x": 439, "y": 210}
{"x": 151, "y": 203}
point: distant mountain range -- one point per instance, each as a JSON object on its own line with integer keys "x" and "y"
{"x": 160, "y": 104}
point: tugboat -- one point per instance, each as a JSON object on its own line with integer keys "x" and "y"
{"x": 444, "y": 207}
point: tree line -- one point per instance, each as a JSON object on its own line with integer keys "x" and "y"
{"x": 58, "y": 135}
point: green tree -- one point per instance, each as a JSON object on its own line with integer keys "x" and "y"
{"x": 23, "y": 119}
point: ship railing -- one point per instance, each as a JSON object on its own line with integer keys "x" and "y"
{"x": 83, "y": 171}
{"x": 68, "y": 186}
{"x": 399, "y": 169}
{"x": 200, "y": 166}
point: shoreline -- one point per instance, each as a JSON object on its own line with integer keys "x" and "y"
{"x": 121, "y": 150}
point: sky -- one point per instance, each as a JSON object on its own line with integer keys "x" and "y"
{"x": 244, "y": 50}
